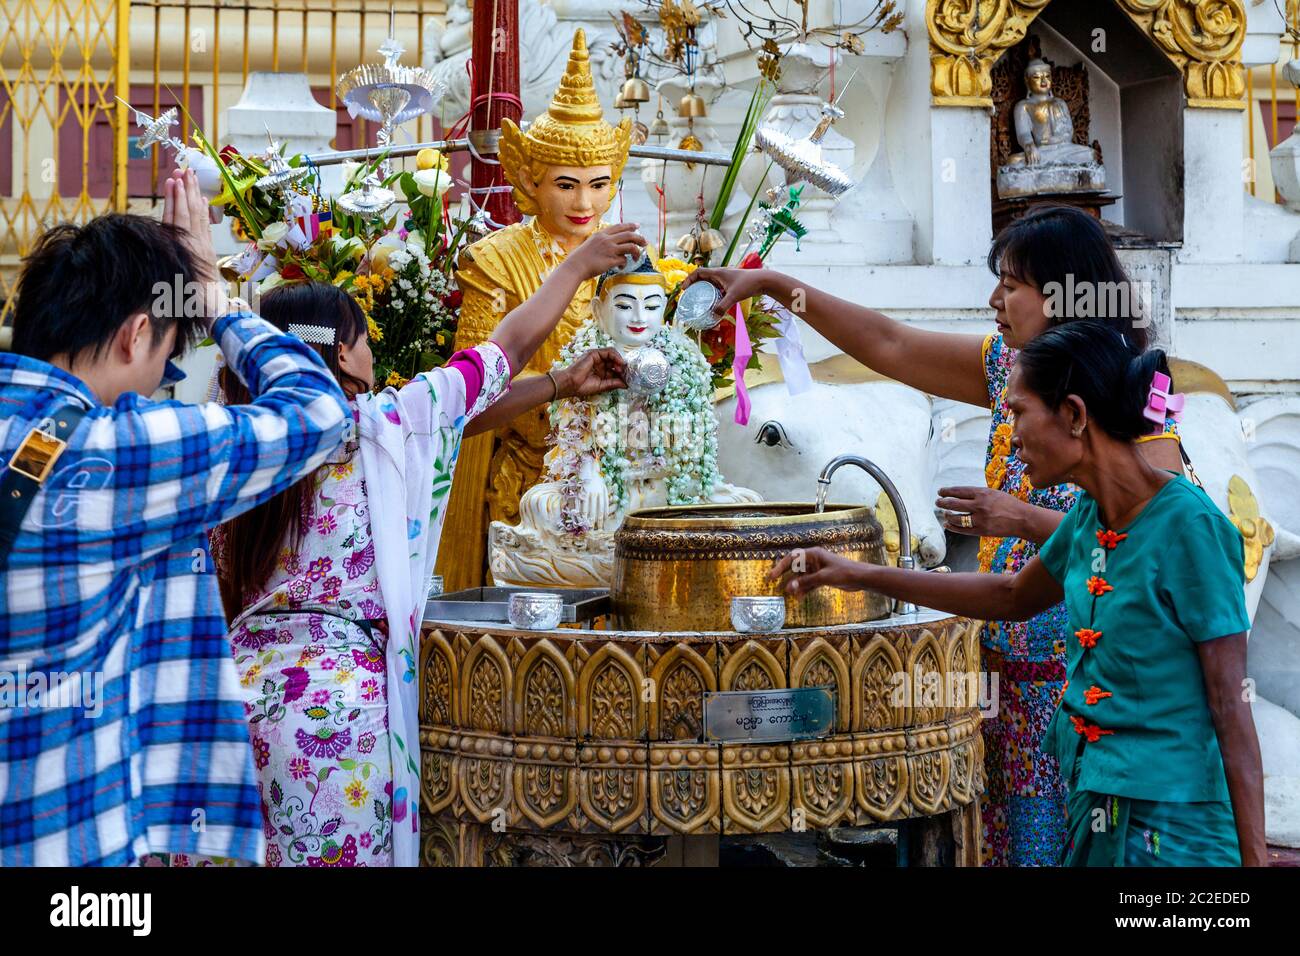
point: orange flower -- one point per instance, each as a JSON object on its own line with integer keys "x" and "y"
{"x": 1002, "y": 440}
{"x": 1091, "y": 732}
{"x": 1094, "y": 694}
{"x": 1098, "y": 586}
{"x": 1087, "y": 638}
{"x": 1109, "y": 539}
{"x": 995, "y": 472}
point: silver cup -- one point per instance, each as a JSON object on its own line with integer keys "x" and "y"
{"x": 760, "y": 614}
{"x": 648, "y": 372}
{"x": 695, "y": 307}
{"x": 535, "y": 610}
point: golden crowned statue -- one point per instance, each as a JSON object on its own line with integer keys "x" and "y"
{"x": 564, "y": 172}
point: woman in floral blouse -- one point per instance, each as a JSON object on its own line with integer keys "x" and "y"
{"x": 1036, "y": 259}
{"x": 327, "y": 582}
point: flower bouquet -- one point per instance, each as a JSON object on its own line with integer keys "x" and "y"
{"x": 396, "y": 262}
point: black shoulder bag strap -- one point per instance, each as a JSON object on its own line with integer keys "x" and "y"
{"x": 31, "y": 463}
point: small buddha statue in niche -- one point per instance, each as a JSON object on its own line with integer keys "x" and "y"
{"x": 1051, "y": 161}
{"x": 616, "y": 453}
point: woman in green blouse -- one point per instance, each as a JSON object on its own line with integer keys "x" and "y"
{"x": 1154, "y": 733}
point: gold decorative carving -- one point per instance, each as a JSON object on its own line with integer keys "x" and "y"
{"x": 1202, "y": 38}
{"x": 544, "y": 697}
{"x": 437, "y": 699}
{"x": 562, "y": 732}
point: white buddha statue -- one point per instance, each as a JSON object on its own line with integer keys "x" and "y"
{"x": 619, "y": 452}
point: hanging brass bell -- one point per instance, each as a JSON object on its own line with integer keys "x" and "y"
{"x": 659, "y": 126}
{"x": 711, "y": 240}
{"x": 619, "y": 103}
{"x": 692, "y": 106}
{"x": 688, "y": 244}
{"x": 635, "y": 90}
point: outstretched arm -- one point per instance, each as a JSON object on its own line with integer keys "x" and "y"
{"x": 988, "y": 597}
{"x": 942, "y": 363}
{"x": 594, "y": 372}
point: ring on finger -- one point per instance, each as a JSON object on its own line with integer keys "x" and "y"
{"x": 964, "y": 519}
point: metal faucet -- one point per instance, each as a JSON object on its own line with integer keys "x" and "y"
{"x": 905, "y": 559}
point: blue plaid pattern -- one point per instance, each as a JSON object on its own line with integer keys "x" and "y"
{"x": 110, "y": 575}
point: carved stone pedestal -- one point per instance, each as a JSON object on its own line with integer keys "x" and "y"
{"x": 587, "y": 746}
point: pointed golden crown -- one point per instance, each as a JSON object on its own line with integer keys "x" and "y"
{"x": 572, "y": 131}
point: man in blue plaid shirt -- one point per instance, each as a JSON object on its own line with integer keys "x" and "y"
{"x": 121, "y": 719}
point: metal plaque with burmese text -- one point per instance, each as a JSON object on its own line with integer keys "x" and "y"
{"x": 768, "y": 715}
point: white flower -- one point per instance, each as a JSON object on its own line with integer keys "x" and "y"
{"x": 351, "y": 245}
{"x": 272, "y": 236}
{"x": 382, "y": 250}
{"x": 432, "y": 182}
{"x": 350, "y": 170}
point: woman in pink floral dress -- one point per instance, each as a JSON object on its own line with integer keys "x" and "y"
{"x": 332, "y": 575}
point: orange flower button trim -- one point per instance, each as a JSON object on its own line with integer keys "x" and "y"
{"x": 1091, "y": 732}
{"x": 1094, "y": 694}
{"x": 1087, "y": 637}
{"x": 1109, "y": 539}
{"x": 1098, "y": 586}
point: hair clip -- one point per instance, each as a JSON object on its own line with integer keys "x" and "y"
{"x": 1161, "y": 404}
{"x": 315, "y": 334}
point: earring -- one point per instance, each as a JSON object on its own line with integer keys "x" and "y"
{"x": 1077, "y": 432}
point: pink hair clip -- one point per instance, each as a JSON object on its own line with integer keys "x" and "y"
{"x": 1161, "y": 404}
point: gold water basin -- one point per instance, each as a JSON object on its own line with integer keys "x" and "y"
{"x": 677, "y": 569}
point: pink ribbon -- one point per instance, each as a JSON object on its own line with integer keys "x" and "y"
{"x": 744, "y": 349}
{"x": 1161, "y": 404}
{"x": 744, "y": 352}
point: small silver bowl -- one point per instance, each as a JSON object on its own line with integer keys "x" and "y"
{"x": 648, "y": 372}
{"x": 760, "y": 614}
{"x": 695, "y": 307}
{"x": 436, "y": 586}
{"x": 535, "y": 610}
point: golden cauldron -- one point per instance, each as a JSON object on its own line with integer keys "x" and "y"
{"x": 677, "y": 569}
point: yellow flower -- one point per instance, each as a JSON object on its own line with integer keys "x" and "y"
{"x": 429, "y": 158}
{"x": 356, "y": 792}
{"x": 440, "y": 339}
{"x": 674, "y": 270}
{"x": 251, "y": 675}
{"x": 373, "y": 330}
{"x": 395, "y": 380}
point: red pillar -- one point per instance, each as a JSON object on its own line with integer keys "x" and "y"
{"x": 496, "y": 69}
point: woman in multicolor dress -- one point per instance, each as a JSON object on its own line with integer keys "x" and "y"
{"x": 327, "y": 582}
{"x": 1154, "y": 737}
{"x": 1051, "y": 249}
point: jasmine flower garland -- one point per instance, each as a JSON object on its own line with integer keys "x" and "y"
{"x": 678, "y": 441}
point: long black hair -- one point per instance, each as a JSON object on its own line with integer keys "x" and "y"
{"x": 1092, "y": 361}
{"x": 1067, "y": 248}
{"x": 253, "y": 540}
